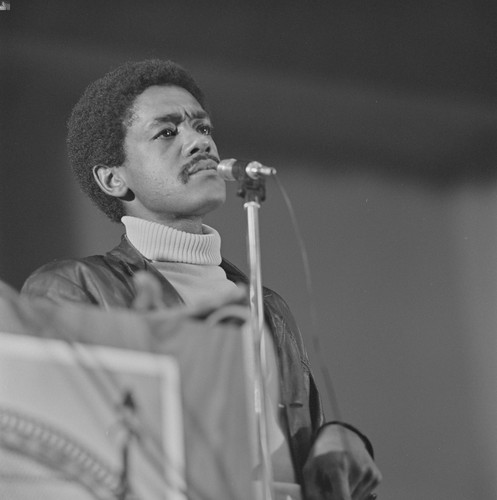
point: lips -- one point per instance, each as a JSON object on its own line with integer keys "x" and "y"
{"x": 200, "y": 163}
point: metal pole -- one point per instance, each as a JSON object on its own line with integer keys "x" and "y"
{"x": 257, "y": 327}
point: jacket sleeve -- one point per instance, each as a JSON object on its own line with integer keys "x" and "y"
{"x": 315, "y": 405}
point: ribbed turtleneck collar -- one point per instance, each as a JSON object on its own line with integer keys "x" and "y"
{"x": 162, "y": 243}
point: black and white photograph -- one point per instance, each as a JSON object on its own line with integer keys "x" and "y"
{"x": 292, "y": 206}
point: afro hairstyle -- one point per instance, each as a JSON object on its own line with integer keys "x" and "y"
{"x": 97, "y": 125}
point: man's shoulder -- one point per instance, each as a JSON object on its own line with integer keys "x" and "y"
{"x": 98, "y": 279}
{"x": 74, "y": 269}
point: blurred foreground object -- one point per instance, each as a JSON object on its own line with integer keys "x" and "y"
{"x": 38, "y": 373}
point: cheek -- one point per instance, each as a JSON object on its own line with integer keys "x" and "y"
{"x": 149, "y": 175}
{"x": 156, "y": 186}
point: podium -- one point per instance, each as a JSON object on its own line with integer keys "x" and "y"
{"x": 67, "y": 432}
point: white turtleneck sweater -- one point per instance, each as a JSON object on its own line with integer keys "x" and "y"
{"x": 191, "y": 263}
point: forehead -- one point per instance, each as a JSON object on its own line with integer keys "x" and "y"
{"x": 163, "y": 99}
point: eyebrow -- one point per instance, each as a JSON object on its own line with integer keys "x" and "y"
{"x": 178, "y": 117}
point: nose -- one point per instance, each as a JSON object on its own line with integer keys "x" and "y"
{"x": 196, "y": 143}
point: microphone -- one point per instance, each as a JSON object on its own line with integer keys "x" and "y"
{"x": 236, "y": 170}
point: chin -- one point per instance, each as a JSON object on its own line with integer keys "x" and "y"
{"x": 207, "y": 200}
{"x": 214, "y": 204}
{"x": 217, "y": 196}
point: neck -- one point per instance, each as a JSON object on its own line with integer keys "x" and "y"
{"x": 186, "y": 225}
{"x": 191, "y": 224}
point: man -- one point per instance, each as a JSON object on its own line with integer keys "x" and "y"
{"x": 140, "y": 143}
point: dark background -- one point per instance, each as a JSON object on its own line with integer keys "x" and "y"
{"x": 381, "y": 119}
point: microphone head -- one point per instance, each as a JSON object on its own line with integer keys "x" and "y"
{"x": 225, "y": 169}
{"x": 235, "y": 170}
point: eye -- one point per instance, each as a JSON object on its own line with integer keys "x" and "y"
{"x": 205, "y": 129}
{"x": 167, "y": 132}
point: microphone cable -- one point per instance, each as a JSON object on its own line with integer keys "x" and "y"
{"x": 315, "y": 337}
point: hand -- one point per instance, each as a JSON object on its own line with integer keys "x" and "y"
{"x": 339, "y": 467}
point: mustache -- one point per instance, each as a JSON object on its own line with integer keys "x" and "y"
{"x": 185, "y": 169}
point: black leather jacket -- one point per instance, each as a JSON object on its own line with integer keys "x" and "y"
{"x": 106, "y": 281}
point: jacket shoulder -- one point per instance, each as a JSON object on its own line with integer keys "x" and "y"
{"x": 92, "y": 280}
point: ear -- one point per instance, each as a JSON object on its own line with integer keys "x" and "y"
{"x": 110, "y": 180}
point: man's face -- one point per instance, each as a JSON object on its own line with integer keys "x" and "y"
{"x": 171, "y": 158}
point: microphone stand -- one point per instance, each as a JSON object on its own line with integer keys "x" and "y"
{"x": 254, "y": 193}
